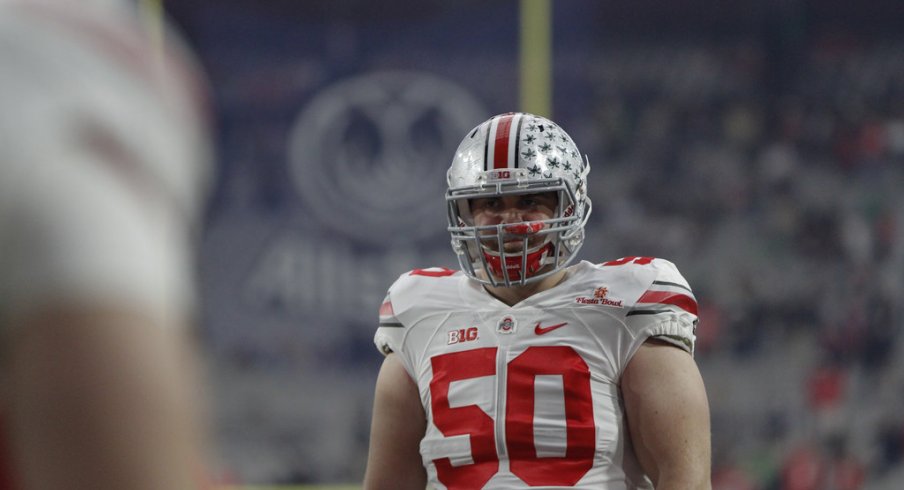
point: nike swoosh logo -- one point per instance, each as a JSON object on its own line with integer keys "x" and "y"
{"x": 542, "y": 330}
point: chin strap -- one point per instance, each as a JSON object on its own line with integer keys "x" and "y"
{"x": 535, "y": 261}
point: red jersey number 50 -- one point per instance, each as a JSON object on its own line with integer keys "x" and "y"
{"x": 519, "y": 417}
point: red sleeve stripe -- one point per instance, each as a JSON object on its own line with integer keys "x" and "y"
{"x": 386, "y": 309}
{"x": 433, "y": 272}
{"x": 682, "y": 301}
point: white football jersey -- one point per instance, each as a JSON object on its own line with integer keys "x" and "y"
{"x": 104, "y": 157}
{"x": 528, "y": 396}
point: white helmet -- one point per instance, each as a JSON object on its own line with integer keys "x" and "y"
{"x": 513, "y": 154}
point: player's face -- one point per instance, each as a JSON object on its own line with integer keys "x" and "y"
{"x": 521, "y": 211}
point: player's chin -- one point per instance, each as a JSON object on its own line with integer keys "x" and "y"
{"x": 518, "y": 245}
{"x": 507, "y": 247}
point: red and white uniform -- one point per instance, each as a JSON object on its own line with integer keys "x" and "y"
{"x": 104, "y": 157}
{"x": 528, "y": 395}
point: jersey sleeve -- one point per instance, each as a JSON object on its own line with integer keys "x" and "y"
{"x": 390, "y": 331}
{"x": 404, "y": 304}
{"x": 667, "y": 310}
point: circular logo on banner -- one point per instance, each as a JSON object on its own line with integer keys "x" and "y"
{"x": 369, "y": 155}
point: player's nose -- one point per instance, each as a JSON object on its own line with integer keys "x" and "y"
{"x": 511, "y": 214}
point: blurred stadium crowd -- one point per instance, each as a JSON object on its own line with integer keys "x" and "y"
{"x": 784, "y": 210}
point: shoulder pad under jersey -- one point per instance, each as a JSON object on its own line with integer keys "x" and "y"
{"x": 416, "y": 287}
{"x": 667, "y": 308}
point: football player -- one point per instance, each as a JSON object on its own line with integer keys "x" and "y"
{"x": 103, "y": 159}
{"x": 520, "y": 370}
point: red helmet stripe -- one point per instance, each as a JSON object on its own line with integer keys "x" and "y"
{"x": 501, "y": 146}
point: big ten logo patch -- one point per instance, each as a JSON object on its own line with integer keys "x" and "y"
{"x": 462, "y": 335}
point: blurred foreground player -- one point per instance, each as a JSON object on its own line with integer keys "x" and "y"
{"x": 521, "y": 371}
{"x": 103, "y": 157}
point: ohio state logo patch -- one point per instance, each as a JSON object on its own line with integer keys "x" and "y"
{"x": 506, "y": 325}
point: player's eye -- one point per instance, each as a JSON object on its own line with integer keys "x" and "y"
{"x": 486, "y": 203}
{"x": 536, "y": 200}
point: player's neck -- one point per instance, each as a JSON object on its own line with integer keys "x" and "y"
{"x": 515, "y": 294}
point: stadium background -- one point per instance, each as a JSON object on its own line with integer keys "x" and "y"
{"x": 757, "y": 144}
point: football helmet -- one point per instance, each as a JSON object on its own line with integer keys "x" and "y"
{"x": 515, "y": 154}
